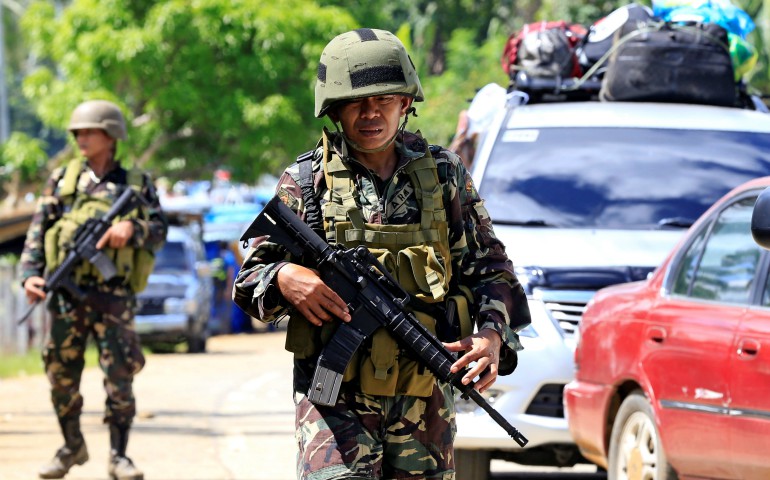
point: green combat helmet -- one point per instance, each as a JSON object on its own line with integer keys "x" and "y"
{"x": 99, "y": 114}
{"x": 363, "y": 63}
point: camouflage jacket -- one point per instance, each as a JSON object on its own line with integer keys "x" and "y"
{"x": 149, "y": 232}
{"x": 478, "y": 257}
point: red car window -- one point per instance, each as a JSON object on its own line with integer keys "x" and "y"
{"x": 723, "y": 267}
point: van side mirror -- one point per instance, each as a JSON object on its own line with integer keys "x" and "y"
{"x": 760, "y": 220}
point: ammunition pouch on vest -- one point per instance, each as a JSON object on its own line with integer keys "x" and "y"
{"x": 416, "y": 255}
{"x": 133, "y": 265}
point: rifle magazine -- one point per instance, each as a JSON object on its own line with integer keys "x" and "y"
{"x": 325, "y": 387}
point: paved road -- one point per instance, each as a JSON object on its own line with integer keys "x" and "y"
{"x": 226, "y": 414}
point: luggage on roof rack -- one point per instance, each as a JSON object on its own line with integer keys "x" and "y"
{"x": 667, "y": 62}
{"x": 544, "y": 50}
{"x": 631, "y": 55}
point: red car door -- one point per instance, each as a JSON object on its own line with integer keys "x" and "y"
{"x": 691, "y": 337}
{"x": 750, "y": 393}
{"x": 686, "y": 356}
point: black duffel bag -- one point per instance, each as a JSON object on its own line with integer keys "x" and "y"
{"x": 666, "y": 62}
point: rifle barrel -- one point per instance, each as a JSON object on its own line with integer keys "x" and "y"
{"x": 29, "y": 309}
{"x": 497, "y": 417}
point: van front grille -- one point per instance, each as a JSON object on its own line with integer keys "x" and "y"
{"x": 566, "y": 308}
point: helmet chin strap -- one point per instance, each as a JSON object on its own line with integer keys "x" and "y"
{"x": 385, "y": 145}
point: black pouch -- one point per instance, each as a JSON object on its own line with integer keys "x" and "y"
{"x": 671, "y": 63}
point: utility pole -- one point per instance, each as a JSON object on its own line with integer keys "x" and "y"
{"x": 5, "y": 117}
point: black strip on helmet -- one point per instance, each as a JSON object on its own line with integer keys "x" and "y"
{"x": 366, "y": 34}
{"x": 379, "y": 74}
{"x": 322, "y": 73}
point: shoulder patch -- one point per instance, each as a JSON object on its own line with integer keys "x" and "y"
{"x": 287, "y": 198}
{"x": 470, "y": 188}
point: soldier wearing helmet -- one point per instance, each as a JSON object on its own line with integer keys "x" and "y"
{"x": 85, "y": 188}
{"x": 371, "y": 182}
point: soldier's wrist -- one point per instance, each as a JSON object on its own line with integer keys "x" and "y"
{"x": 139, "y": 235}
{"x": 273, "y": 297}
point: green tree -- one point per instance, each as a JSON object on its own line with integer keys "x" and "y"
{"x": 203, "y": 83}
{"x": 206, "y": 83}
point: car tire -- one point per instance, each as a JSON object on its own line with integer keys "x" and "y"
{"x": 196, "y": 343}
{"x": 472, "y": 464}
{"x": 636, "y": 450}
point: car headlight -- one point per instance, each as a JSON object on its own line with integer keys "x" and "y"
{"x": 463, "y": 405}
{"x": 180, "y": 306}
{"x": 529, "y": 277}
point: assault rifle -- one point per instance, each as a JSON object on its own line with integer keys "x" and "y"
{"x": 374, "y": 299}
{"x": 84, "y": 248}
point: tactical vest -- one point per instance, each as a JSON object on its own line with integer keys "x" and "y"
{"x": 417, "y": 255}
{"x": 133, "y": 265}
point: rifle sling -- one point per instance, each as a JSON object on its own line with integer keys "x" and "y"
{"x": 312, "y": 209}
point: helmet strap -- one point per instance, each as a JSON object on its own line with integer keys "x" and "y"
{"x": 385, "y": 145}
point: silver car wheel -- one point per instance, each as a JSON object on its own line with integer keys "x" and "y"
{"x": 638, "y": 444}
{"x": 636, "y": 452}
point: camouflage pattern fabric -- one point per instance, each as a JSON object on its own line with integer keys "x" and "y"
{"x": 370, "y": 437}
{"x": 149, "y": 232}
{"x": 108, "y": 311}
{"x": 110, "y": 320}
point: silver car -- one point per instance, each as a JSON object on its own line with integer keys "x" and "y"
{"x": 176, "y": 305}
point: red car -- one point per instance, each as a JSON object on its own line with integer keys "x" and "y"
{"x": 673, "y": 373}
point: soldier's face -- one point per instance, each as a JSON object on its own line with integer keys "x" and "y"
{"x": 372, "y": 121}
{"x": 93, "y": 142}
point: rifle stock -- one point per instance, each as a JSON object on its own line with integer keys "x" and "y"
{"x": 374, "y": 299}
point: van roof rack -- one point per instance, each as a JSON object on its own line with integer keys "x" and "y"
{"x": 557, "y": 89}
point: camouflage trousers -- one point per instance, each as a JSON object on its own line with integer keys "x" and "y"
{"x": 107, "y": 315}
{"x": 373, "y": 437}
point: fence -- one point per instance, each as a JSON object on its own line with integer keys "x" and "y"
{"x": 16, "y": 338}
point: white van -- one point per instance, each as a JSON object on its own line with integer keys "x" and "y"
{"x": 587, "y": 194}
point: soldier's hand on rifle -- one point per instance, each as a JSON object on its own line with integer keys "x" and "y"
{"x": 482, "y": 347}
{"x": 117, "y": 236}
{"x": 304, "y": 289}
{"x": 33, "y": 288}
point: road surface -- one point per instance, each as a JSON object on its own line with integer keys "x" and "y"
{"x": 226, "y": 414}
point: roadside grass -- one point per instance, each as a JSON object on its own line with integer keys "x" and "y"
{"x": 31, "y": 363}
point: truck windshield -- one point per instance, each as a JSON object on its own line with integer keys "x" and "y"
{"x": 616, "y": 177}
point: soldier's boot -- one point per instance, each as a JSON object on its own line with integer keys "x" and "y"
{"x": 73, "y": 452}
{"x": 121, "y": 467}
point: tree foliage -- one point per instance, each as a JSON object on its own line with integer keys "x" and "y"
{"x": 209, "y": 83}
{"x": 22, "y": 155}
{"x": 203, "y": 83}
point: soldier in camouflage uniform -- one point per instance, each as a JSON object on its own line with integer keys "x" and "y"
{"x": 83, "y": 188}
{"x": 415, "y": 207}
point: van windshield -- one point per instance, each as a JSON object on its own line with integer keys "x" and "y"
{"x": 616, "y": 177}
{"x": 171, "y": 257}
